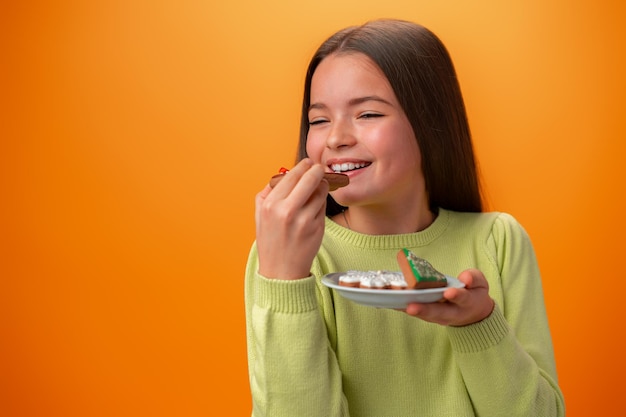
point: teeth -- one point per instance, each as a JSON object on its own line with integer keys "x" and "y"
{"x": 348, "y": 166}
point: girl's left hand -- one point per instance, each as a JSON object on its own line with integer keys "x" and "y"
{"x": 462, "y": 306}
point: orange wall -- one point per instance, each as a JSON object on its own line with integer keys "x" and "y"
{"x": 134, "y": 135}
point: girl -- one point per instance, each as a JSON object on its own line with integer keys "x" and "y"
{"x": 382, "y": 104}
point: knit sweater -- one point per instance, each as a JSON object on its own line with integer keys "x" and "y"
{"x": 312, "y": 352}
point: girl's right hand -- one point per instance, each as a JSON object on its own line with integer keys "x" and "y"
{"x": 290, "y": 222}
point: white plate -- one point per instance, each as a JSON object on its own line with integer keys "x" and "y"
{"x": 388, "y": 298}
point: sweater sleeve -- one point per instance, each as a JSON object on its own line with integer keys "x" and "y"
{"x": 512, "y": 348}
{"x": 293, "y": 369}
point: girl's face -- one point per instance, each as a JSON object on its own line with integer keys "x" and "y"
{"x": 358, "y": 127}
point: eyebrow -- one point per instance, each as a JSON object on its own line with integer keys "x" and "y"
{"x": 354, "y": 102}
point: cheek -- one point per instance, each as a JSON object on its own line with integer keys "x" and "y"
{"x": 396, "y": 142}
{"x": 314, "y": 147}
{"x": 405, "y": 153}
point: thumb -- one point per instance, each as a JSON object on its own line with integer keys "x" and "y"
{"x": 473, "y": 278}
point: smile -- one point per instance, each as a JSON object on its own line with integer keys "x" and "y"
{"x": 348, "y": 166}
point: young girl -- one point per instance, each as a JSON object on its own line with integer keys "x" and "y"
{"x": 382, "y": 104}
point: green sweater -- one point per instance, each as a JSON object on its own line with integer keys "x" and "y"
{"x": 311, "y": 352}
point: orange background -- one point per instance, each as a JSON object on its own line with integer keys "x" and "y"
{"x": 135, "y": 134}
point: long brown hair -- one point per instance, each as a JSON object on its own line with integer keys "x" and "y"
{"x": 423, "y": 78}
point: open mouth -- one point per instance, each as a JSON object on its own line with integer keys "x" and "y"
{"x": 349, "y": 166}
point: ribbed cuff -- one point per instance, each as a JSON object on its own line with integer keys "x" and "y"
{"x": 479, "y": 336}
{"x": 286, "y": 296}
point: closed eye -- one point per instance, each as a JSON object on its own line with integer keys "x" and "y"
{"x": 370, "y": 115}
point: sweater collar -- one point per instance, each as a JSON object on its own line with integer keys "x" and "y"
{"x": 421, "y": 238}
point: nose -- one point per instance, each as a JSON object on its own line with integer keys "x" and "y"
{"x": 340, "y": 135}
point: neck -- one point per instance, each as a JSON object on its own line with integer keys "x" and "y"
{"x": 385, "y": 222}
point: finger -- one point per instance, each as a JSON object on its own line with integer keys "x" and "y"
{"x": 258, "y": 201}
{"x": 456, "y": 295}
{"x": 263, "y": 193}
{"x": 440, "y": 313}
{"x": 314, "y": 208}
{"x": 298, "y": 211}
{"x": 473, "y": 278}
{"x": 291, "y": 178}
{"x": 307, "y": 186}
{"x": 322, "y": 192}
